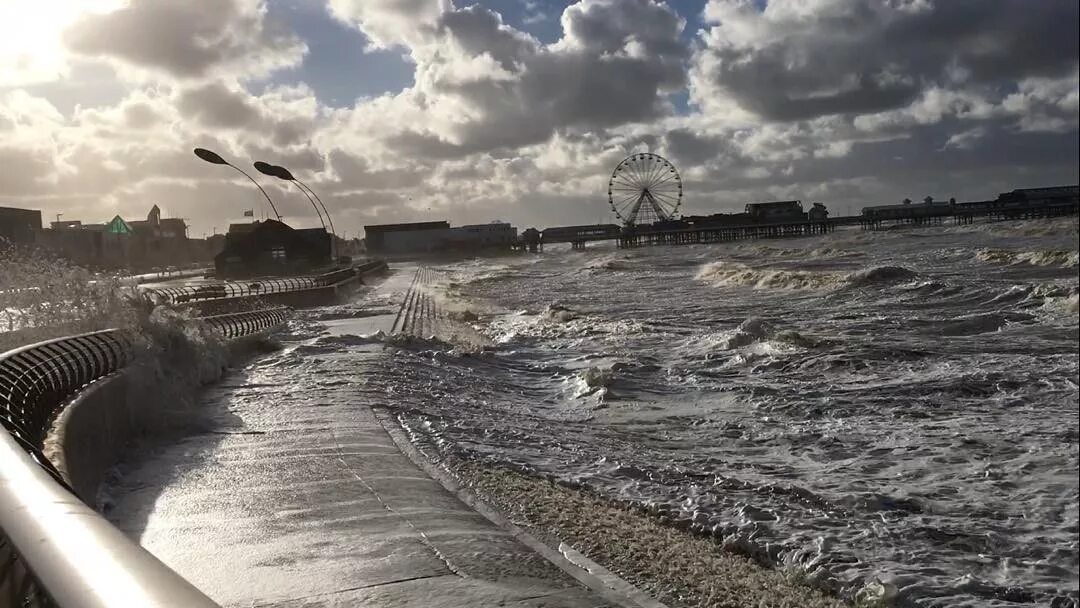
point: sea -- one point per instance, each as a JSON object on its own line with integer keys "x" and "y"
{"x": 892, "y": 410}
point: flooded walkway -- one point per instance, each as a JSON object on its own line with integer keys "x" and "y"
{"x": 295, "y": 495}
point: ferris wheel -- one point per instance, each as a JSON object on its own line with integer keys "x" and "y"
{"x": 645, "y": 188}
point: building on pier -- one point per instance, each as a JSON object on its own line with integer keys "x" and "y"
{"x": 717, "y": 219}
{"x": 1017, "y": 204}
{"x": 929, "y": 211}
{"x": 500, "y": 235}
{"x": 1054, "y": 195}
{"x": 818, "y": 213}
{"x": 776, "y": 212}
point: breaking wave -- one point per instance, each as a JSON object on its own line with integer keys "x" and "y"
{"x": 879, "y": 274}
{"x": 608, "y": 263}
{"x": 782, "y": 252}
{"x": 734, "y": 274}
{"x": 729, "y": 274}
{"x": 1060, "y": 258}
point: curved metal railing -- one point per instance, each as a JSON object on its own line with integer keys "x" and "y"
{"x": 258, "y": 287}
{"x": 36, "y": 380}
{"x": 48, "y": 538}
{"x": 239, "y": 324}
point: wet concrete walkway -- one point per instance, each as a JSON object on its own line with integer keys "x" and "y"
{"x": 296, "y": 496}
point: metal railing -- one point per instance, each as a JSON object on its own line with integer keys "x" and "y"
{"x": 239, "y": 324}
{"x": 36, "y": 380}
{"x": 55, "y": 550}
{"x": 257, "y": 287}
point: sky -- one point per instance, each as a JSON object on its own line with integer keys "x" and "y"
{"x": 519, "y": 110}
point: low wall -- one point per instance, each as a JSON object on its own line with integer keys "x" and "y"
{"x": 90, "y": 435}
{"x": 68, "y": 408}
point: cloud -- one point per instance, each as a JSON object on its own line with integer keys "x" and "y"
{"x": 188, "y": 39}
{"x": 800, "y": 60}
{"x": 284, "y": 115}
{"x": 482, "y": 85}
{"x": 845, "y": 101}
{"x": 389, "y": 23}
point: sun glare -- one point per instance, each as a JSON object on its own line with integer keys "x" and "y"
{"x": 32, "y": 49}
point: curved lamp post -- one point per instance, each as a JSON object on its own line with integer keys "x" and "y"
{"x": 213, "y": 158}
{"x": 283, "y": 173}
{"x": 275, "y": 171}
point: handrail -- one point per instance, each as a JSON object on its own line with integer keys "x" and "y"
{"x": 239, "y": 324}
{"x": 79, "y": 559}
{"x": 260, "y": 286}
{"x": 55, "y": 550}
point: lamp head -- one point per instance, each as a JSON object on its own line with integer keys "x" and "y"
{"x": 265, "y": 168}
{"x": 283, "y": 173}
{"x": 209, "y": 156}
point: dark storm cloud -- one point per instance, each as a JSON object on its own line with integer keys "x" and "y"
{"x": 868, "y": 56}
{"x": 884, "y": 172}
{"x": 689, "y": 148}
{"x": 186, "y": 38}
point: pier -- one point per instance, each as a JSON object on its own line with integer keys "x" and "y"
{"x": 1022, "y": 204}
{"x": 644, "y": 236}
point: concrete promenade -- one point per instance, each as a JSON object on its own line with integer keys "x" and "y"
{"x": 292, "y": 495}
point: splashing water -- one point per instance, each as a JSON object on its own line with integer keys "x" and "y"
{"x": 892, "y": 415}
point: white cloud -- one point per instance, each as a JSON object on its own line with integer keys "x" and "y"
{"x": 187, "y": 39}
{"x": 389, "y": 23}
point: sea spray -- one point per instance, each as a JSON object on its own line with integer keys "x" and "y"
{"x": 43, "y": 297}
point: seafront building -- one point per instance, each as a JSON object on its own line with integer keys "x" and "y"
{"x": 438, "y": 237}
{"x": 134, "y": 245}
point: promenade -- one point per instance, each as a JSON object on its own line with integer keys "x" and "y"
{"x": 287, "y": 497}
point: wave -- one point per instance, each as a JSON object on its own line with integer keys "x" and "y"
{"x": 728, "y": 274}
{"x": 1039, "y": 257}
{"x": 1069, "y": 304}
{"x": 593, "y": 382}
{"x": 879, "y": 274}
{"x": 781, "y": 252}
{"x": 756, "y": 338}
{"x": 1036, "y": 227}
{"x": 975, "y": 324}
{"x": 607, "y": 263}
{"x": 557, "y": 312}
{"x": 734, "y": 274}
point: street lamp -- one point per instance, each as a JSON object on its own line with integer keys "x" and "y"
{"x": 283, "y": 173}
{"x": 213, "y": 158}
{"x": 275, "y": 171}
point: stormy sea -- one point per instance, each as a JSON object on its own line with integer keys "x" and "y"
{"x": 895, "y": 410}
